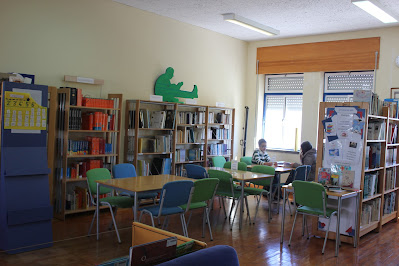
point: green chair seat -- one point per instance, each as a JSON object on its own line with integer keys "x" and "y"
{"x": 195, "y": 205}
{"x": 315, "y": 211}
{"x": 119, "y": 201}
{"x": 237, "y": 194}
{"x": 253, "y": 190}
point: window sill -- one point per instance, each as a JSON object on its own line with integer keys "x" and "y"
{"x": 283, "y": 151}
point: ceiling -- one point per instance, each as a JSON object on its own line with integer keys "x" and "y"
{"x": 291, "y": 17}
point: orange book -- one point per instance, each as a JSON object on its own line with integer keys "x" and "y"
{"x": 97, "y": 121}
{"x": 73, "y": 173}
{"x": 91, "y": 121}
{"x": 79, "y": 97}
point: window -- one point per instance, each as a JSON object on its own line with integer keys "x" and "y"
{"x": 339, "y": 87}
{"x": 282, "y": 118}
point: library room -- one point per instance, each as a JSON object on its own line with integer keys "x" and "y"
{"x": 199, "y": 132}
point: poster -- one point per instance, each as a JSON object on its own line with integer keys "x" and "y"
{"x": 21, "y": 111}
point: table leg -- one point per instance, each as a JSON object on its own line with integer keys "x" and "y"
{"x": 337, "y": 240}
{"x": 283, "y": 218}
{"x": 356, "y": 220}
{"x": 98, "y": 210}
{"x": 241, "y": 204}
{"x": 135, "y": 206}
{"x": 278, "y": 192}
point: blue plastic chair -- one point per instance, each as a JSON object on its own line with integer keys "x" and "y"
{"x": 196, "y": 171}
{"x": 125, "y": 170}
{"x": 174, "y": 194}
{"x": 302, "y": 172}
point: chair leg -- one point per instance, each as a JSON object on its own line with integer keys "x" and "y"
{"x": 249, "y": 216}
{"x": 224, "y": 208}
{"x": 183, "y": 224}
{"x": 189, "y": 218}
{"x": 289, "y": 205}
{"x": 209, "y": 222}
{"x": 269, "y": 201}
{"x": 231, "y": 208}
{"x": 110, "y": 224}
{"x": 303, "y": 225}
{"x": 203, "y": 223}
{"x": 152, "y": 220}
{"x": 92, "y": 222}
{"x": 116, "y": 228}
{"x": 164, "y": 222}
{"x": 220, "y": 202}
{"x": 235, "y": 213}
{"x": 257, "y": 206}
{"x": 325, "y": 238}
{"x": 307, "y": 227}
{"x": 292, "y": 230}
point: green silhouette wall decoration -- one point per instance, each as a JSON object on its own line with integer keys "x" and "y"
{"x": 170, "y": 91}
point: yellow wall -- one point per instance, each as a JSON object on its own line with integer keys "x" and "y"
{"x": 126, "y": 47}
{"x": 387, "y": 77}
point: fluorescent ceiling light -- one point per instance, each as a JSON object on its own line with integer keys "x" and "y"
{"x": 249, "y": 24}
{"x": 375, "y": 9}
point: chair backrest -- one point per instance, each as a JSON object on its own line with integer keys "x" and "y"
{"x": 196, "y": 171}
{"x": 204, "y": 189}
{"x": 246, "y": 159}
{"x": 124, "y": 170}
{"x": 225, "y": 180}
{"x": 218, "y": 161}
{"x": 97, "y": 174}
{"x": 309, "y": 194}
{"x": 176, "y": 193}
{"x": 302, "y": 172}
{"x": 241, "y": 166}
{"x": 263, "y": 169}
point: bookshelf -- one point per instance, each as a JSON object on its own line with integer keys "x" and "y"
{"x": 220, "y": 133}
{"x": 195, "y": 132}
{"x": 149, "y": 136}
{"x": 87, "y": 137}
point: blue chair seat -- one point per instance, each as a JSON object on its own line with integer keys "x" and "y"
{"x": 165, "y": 210}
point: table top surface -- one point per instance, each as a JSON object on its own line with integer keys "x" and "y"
{"x": 241, "y": 175}
{"x": 142, "y": 183}
{"x": 344, "y": 193}
{"x": 279, "y": 169}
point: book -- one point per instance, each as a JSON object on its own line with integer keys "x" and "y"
{"x": 73, "y": 97}
{"x": 170, "y": 119}
{"x": 324, "y": 176}
{"x": 154, "y": 252}
{"x": 348, "y": 178}
{"x": 158, "y": 119}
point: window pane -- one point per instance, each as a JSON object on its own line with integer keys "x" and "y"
{"x": 284, "y": 83}
{"x": 274, "y": 121}
{"x": 339, "y": 98}
{"x": 349, "y": 82}
{"x": 292, "y": 121}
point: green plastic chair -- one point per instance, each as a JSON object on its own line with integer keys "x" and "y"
{"x": 241, "y": 166}
{"x": 265, "y": 183}
{"x": 204, "y": 192}
{"x": 218, "y": 161}
{"x": 226, "y": 189}
{"x": 247, "y": 160}
{"x": 112, "y": 202}
{"x": 311, "y": 198}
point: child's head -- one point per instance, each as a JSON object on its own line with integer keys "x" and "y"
{"x": 262, "y": 145}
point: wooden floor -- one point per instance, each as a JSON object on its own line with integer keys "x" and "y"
{"x": 257, "y": 244}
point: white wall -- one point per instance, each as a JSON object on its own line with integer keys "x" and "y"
{"x": 387, "y": 77}
{"x": 126, "y": 47}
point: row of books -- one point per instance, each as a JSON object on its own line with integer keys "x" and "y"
{"x": 375, "y": 104}
{"x": 373, "y": 156}
{"x": 184, "y": 155}
{"x": 370, "y": 185}
{"x": 179, "y": 170}
{"x": 392, "y": 105}
{"x": 219, "y": 149}
{"x": 161, "y": 143}
{"x": 370, "y": 212}
{"x": 390, "y": 157}
{"x": 98, "y": 121}
{"x": 79, "y": 198}
{"x": 392, "y": 134}
{"x": 156, "y": 166}
{"x": 389, "y": 202}
{"x": 190, "y": 135}
{"x": 191, "y": 117}
{"x": 77, "y": 99}
{"x": 79, "y": 169}
{"x": 152, "y": 119}
{"x": 92, "y": 146}
{"x": 376, "y": 130}
{"x": 390, "y": 181}
{"x": 219, "y": 118}
{"x": 219, "y": 133}
{"x": 76, "y": 96}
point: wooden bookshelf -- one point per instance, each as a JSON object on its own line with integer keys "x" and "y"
{"x": 197, "y": 120}
{"x": 65, "y": 160}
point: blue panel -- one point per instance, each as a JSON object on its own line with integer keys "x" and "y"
{"x": 16, "y": 217}
{"x": 33, "y": 160}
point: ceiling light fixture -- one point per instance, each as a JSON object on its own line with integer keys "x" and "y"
{"x": 375, "y": 9}
{"x": 249, "y": 24}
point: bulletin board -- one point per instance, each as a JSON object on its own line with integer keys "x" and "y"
{"x": 341, "y": 141}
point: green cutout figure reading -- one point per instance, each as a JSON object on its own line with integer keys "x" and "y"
{"x": 170, "y": 91}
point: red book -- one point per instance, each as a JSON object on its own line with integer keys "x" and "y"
{"x": 97, "y": 121}
{"x": 79, "y": 98}
{"x": 112, "y": 123}
{"x": 101, "y": 145}
{"x": 73, "y": 173}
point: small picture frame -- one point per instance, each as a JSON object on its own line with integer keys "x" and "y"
{"x": 395, "y": 93}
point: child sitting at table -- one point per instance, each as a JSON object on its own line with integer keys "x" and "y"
{"x": 260, "y": 155}
{"x": 308, "y": 157}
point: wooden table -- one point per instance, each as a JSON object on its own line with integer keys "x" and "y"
{"x": 136, "y": 185}
{"x": 340, "y": 195}
{"x": 242, "y": 176}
